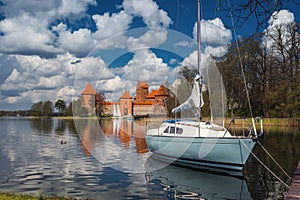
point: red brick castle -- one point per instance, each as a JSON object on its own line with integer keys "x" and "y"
{"x": 143, "y": 104}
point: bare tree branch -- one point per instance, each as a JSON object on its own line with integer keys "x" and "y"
{"x": 260, "y": 10}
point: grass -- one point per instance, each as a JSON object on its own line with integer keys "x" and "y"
{"x": 11, "y": 196}
{"x": 271, "y": 121}
{"x": 266, "y": 121}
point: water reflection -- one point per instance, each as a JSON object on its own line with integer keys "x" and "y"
{"x": 283, "y": 144}
{"x": 90, "y": 133}
{"x": 195, "y": 184}
{"x": 60, "y": 127}
{"x": 117, "y": 143}
{"x": 42, "y": 126}
{"x": 32, "y": 160}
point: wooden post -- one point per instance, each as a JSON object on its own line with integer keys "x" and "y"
{"x": 294, "y": 191}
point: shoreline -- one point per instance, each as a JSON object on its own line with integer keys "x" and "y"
{"x": 279, "y": 122}
{"x": 17, "y": 196}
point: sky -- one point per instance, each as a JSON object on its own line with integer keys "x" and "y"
{"x": 51, "y": 49}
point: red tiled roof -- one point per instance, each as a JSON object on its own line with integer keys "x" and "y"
{"x": 143, "y": 103}
{"x": 142, "y": 84}
{"x": 109, "y": 103}
{"x": 162, "y": 90}
{"x": 151, "y": 94}
{"x": 126, "y": 95}
{"x": 88, "y": 89}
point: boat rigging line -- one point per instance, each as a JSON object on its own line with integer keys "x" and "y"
{"x": 242, "y": 69}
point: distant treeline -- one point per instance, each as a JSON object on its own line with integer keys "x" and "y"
{"x": 17, "y": 113}
{"x": 46, "y": 109}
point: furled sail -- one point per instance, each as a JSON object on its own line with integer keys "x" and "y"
{"x": 196, "y": 98}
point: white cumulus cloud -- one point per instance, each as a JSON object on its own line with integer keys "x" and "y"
{"x": 214, "y": 36}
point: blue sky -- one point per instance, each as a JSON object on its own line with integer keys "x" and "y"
{"x": 51, "y": 49}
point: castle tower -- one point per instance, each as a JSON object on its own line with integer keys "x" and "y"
{"x": 141, "y": 92}
{"x": 126, "y": 105}
{"x": 88, "y": 98}
{"x": 161, "y": 95}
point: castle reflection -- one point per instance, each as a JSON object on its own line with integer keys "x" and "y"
{"x": 93, "y": 133}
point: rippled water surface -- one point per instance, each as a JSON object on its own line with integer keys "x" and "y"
{"x": 108, "y": 159}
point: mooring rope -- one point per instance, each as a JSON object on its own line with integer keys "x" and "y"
{"x": 265, "y": 166}
{"x": 273, "y": 159}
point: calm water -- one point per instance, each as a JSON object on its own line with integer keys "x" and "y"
{"x": 109, "y": 160}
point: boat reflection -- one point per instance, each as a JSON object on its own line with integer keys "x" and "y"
{"x": 196, "y": 184}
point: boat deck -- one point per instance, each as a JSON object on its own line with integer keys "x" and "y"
{"x": 294, "y": 191}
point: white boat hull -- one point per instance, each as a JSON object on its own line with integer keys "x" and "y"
{"x": 230, "y": 153}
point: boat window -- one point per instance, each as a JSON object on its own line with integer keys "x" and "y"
{"x": 172, "y": 130}
{"x": 179, "y": 130}
{"x": 166, "y": 130}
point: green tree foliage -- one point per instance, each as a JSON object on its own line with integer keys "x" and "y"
{"x": 48, "y": 108}
{"x": 60, "y": 104}
{"x": 42, "y": 108}
{"x": 272, "y": 72}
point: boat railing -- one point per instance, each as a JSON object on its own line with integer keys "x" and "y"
{"x": 245, "y": 127}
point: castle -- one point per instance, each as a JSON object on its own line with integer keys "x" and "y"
{"x": 143, "y": 104}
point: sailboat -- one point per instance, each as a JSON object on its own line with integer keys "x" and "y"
{"x": 197, "y": 143}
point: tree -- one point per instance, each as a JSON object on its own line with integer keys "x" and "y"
{"x": 271, "y": 65}
{"x": 47, "y": 108}
{"x": 259, "y": 10}
{"x": 68, "y": 111}
{"x": 100, "y": 100}
{"x": 77, "y": 108}
{"x": 284, "y": 49}
{"x": 188, "y": 73}
{"x": 42, "y": 108}
{"x": 37, "y": 108}
{"x": 60, "y": 104}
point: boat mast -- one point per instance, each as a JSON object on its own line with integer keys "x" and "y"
{"x": 198, "y": 38}
{"x": 199, "y": 54}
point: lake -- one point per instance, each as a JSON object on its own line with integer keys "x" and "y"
{"x": 108, "y": 159}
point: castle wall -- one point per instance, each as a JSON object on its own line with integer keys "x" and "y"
{"x": 141, "y": 110}
{"x": 88, "y": 102}
{"x": 126, "y": 107}
{"x": 149, "y": 110}
{"x": 143, "y": 105}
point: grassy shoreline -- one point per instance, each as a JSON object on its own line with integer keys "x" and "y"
{"x": 12, "y": 196}
{"x": 293, "y": 122}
